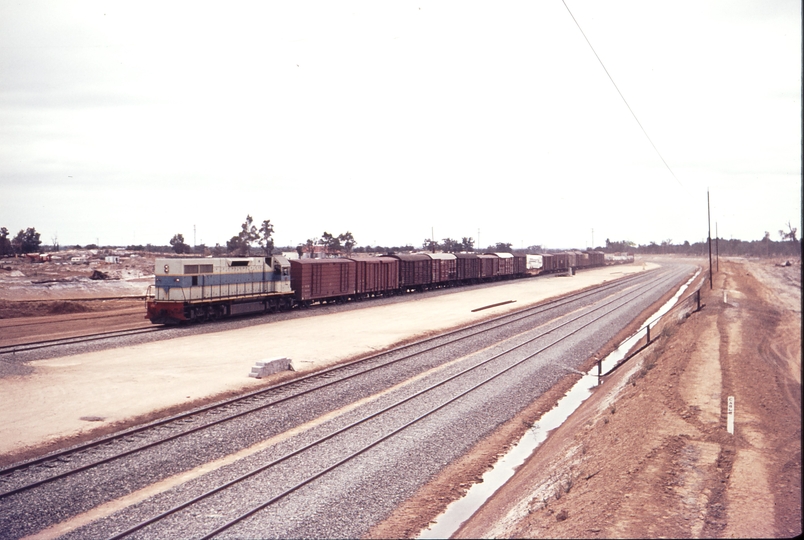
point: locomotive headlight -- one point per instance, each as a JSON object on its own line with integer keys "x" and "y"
{"x": 166, "y": 268}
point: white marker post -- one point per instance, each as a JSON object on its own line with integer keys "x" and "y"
{"x": 730, "y": 416}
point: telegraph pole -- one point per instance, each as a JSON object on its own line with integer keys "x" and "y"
{"x": 717, "y": 249}
{"x": 709, "y": 223}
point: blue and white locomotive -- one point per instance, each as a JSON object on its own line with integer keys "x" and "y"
{"x": 214, "y": 288}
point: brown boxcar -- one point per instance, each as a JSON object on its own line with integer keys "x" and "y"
{"x": 468, "y": 266}
{"x": 444, "y": 267}
{"x": 520, "y": 264}
{"x": 322, "y": 279}
{"x": 560, "y": 262}
{"x": 584, "y": 259}
{"x": 548, "y": 263}
{"x": 596, "y": 258}
{"x": 504, "y": 265}
{"x": 487, "y": 265}
{"x": 376, "y": 275}
{"x": 415, "y": 270}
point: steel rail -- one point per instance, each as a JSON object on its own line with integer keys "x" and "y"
{"x": 34, "y": 345}
{"x": 493, "y": 325}
{"x": 623, "y": 301}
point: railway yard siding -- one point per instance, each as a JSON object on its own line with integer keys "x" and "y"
{"x": 131, "y": 381}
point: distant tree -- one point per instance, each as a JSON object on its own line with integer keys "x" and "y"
{"x": 429, "y": 245}
{"x": 347, "y": 240}
{"x": 331, "y": 243}
{"x": 467, "y": 244}
{"x": 300, "y": 250}
{"x": 790, "y": 235}
{"x": 309, "y": 247}
{"x": 766, "y": 241}
{"x": 501, "y": 247}
{"x": 451, "y": 246}
{"x": 236, "y": 246}
{"x": 5, "y": 243}
{"x": 55, "y": 240}
{"x": 26, "y": 241}
{"x": 264, "y": 240}
{"x": 248, "y": 235}
{"x": 177, "y": 242}
{"x": 218, "y": 250}
{"x": 621, "y": 246}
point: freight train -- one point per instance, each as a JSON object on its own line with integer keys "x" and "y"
{"x": 206, "y": 289}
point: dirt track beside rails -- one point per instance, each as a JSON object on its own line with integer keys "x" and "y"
{"x": 648, "y": 455}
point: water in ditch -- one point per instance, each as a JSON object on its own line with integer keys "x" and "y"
{"x": 459, "y": 511}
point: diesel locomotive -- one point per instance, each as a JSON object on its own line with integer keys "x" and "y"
{"x": 208, "y": 289}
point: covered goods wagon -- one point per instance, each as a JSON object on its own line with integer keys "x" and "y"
{"x": 375, "y": 275}
{"x": 467, "y": 266}
{"x": 444, "y": 267}
{"x": 313, "y": 279}
{"x": 415, "y": 270}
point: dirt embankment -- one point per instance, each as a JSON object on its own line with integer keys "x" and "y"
{"x": 649, "y": 454}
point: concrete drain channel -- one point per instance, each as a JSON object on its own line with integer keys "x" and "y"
{"x": 459, "y": 511}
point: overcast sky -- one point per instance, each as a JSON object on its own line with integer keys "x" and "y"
{"x": 126, "y": 123}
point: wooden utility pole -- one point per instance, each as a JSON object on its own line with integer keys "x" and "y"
{"x": 709, "y": 222}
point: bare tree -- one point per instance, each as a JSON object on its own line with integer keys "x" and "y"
{"x": 790, "y": 234}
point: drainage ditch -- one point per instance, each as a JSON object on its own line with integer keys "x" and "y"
{"x": 459, "y": 511}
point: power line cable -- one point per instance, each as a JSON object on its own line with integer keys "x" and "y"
{"x": 621, "y": 94}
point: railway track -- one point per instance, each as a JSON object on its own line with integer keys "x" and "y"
{"x": 261, "y": 399}
{"x": 498, "y": 365}
{"x": 27, "y": 479}
{"x": 51, "y": 343}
